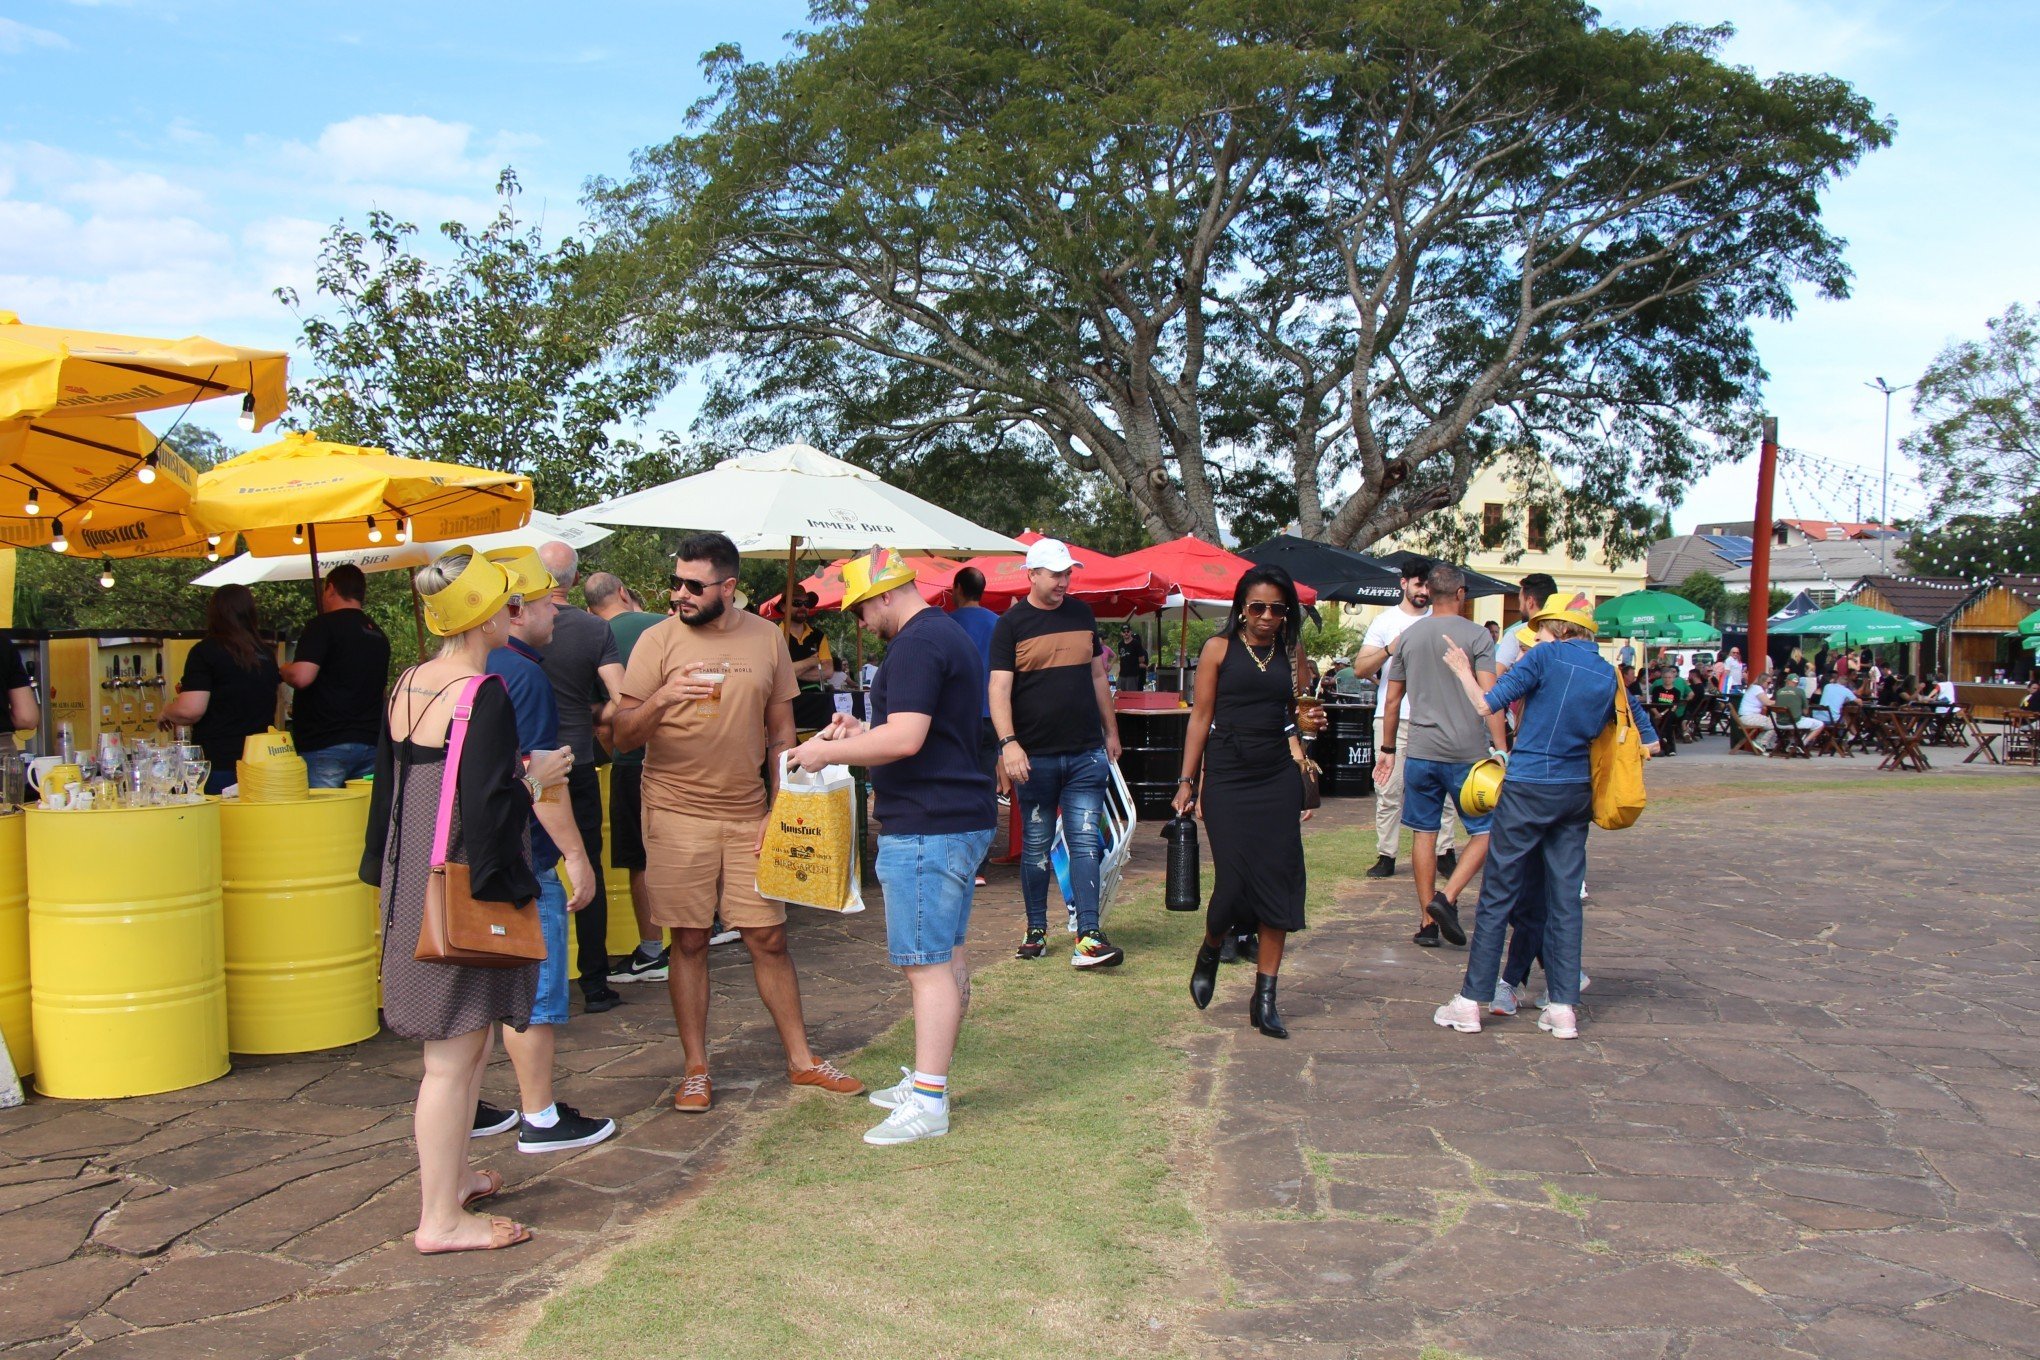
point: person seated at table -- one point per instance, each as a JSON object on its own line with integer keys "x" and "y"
{"x": 1944, "y": 691}
{"x": 1789, "y": 702}
{"x": 1835, "y": 699}
{"x": 1753, "y": 710}
{"x": 1669, "y": 694}
{"x": 2031, "y": 703}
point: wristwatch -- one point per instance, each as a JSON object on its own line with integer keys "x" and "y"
{"x": 1386, "y": 750}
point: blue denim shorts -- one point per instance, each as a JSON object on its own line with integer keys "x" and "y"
{"x": 549, "y": 1007}
{"x": 1426, "y": 784}
{"x": 928, "y": 883}
{"x": 330, "y": 767}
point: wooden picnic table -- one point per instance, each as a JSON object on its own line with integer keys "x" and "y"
{"x": 1901, "y": 732}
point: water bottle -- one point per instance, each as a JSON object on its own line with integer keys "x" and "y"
{"x": 1184, "y": 892}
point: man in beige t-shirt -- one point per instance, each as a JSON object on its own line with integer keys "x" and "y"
{"x": 709, "y": 695}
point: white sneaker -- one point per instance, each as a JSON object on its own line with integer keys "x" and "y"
{"x": 1561, "y": 1021}
{"x": 909, "y": 1123}
{"x": 1460, "y": 1013}
{"x": 1544, "y": 997}
{"x": 725, "y": 936}
{"x": 892, "y": 1097}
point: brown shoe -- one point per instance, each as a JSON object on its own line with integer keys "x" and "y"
{"x": 695, "y": 1094}
{"x": 825, "y": 1075}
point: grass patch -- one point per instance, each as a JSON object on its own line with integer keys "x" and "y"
{"x": 1045, "y": 1225}
{"x": 1565, "y": 1203}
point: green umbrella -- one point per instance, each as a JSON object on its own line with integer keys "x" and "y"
{"x": 1852, "y": 625}
{"x": 1640, "y": 612}
{"x": 2032, "y": 642}
{"x": 1687, "y": 633}
{"x": 2030, "y": 625}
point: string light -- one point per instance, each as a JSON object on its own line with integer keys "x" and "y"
{"x": 144, "y": 474}
{"x": 404, "y": 529}
{"x": 33, "y": 506}
{"x": 58, "y": 543}
{"x": 212, "y": 540}
{"x": 374, "y": 530}
{"x": 106, "y": 577}
{"x": 297, "y": 536}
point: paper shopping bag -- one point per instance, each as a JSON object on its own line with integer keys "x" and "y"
{"x": 810, "y": 851}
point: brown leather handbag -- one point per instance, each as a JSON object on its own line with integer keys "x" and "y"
{"x": 459, "y": 927}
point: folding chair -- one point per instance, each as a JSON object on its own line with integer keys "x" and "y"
{"x": 1788, "y": 741}
{"x": 1832, "y": 740}
{"x": 1116, "y": 823}
{"x": 1742, "y": 740}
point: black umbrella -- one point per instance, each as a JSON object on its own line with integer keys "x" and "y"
{"x": 1335, "y": 573}
{"x": 1478, "y": 584}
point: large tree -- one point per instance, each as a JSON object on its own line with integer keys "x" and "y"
{"x": 476, "y": 354}
{"x": 1364, "y": 246}
{"x": 1979, "y": 446}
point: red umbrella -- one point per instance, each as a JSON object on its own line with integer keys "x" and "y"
{"x": 932, "y": 576}
{"x": 1204, "y": 572}
{"x": 1113, "y": 589}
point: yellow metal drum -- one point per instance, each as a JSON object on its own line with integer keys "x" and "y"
{"x": 128, "y": 991}
{"x": 300, "y": 924}
{"x": 615, "y": 885}
{"x": 14, "y": 1025}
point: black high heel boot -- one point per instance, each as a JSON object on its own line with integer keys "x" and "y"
{"x": 1204, "y": 976}
{"x": 1261, "y": 1012}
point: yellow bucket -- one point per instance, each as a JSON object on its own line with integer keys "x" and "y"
{"x": 300, "y": 924}
{"x": 126, "y": 955}
{"x": 14, "y": 1025}
{"x": 623, "y": 935}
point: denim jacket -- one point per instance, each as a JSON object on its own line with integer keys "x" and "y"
{"x": 1568, "y": 695}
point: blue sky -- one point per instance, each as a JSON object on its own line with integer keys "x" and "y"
{"x": 164, "y": 164}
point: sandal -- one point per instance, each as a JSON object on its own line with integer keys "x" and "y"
{"x": 494, "y": 1188}
{"x": 504, "y": 1233}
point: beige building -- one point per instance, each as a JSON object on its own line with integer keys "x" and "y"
{"x": 1507, "y": 514}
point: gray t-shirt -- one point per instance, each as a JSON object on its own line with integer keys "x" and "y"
{"x": 1442, "y": 724}
{"x": 580, "y": 643}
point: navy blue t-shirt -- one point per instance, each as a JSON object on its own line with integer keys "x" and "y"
{"x": 933, "y": 667}
{"x": 979, "y": 622}
{"x": 538, "y": 722}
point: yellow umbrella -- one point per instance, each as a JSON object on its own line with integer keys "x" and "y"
{"x": 48, "y": 370}
{"x": 303, "y": 494}
{"x": 90, "y": 481}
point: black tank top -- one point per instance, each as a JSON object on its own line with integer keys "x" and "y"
{"x": 1252, "y": 701}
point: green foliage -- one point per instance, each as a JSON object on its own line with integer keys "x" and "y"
{"x": 487, "y": 361}
{"x": 1706, "y": 590}
{"x": 1322, "y": 260}
{"x": 1975, "y": 547}
{"x": 1979, "y": 450}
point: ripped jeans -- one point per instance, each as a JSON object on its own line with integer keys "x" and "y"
{"x": 1076, "y": 784}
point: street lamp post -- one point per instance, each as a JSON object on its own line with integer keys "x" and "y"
{"x": 1884, "y": 498}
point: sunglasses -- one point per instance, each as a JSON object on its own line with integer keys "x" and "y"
{"x": 1259, "y": 607}
{"x": 698, "y": 587}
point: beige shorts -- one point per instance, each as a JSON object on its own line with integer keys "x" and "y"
{"x": 696, "y": 867}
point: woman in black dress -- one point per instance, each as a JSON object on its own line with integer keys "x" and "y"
{"x": 1242, "y": 749}
{"x": 230, "y": 684}
{"x": 448, "y": 1006}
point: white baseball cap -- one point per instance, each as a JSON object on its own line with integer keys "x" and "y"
{"x": 1050, "y": 554}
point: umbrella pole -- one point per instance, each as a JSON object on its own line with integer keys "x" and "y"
{"x": 312, "y": 543}
{"x": 786, "y": 600}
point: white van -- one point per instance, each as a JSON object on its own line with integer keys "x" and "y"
{"x": 1688, "y": 658}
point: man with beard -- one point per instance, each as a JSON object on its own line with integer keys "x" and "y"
{"x": 709, "y": 695}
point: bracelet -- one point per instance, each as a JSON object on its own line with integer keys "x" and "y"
{"x": 1004, "y": 742}
{"x": 532, "y": 787}
{"x": 1186, "y": 779}
{"x": 1386, "y": 750}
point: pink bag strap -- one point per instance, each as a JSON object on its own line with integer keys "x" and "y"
{"x": 456, "y": 738}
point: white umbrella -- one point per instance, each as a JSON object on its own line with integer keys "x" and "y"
{"x": 797, "y": 497}
{"x": 248, "y": 569}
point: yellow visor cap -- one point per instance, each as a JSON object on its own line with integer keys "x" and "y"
{"x": 473, "y": 597}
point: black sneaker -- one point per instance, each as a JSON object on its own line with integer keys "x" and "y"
{"x": 1034, "y": 946}
{"x": 1249, "y": 946}
{"x": 596, "y": 1002}
{"x": 638, "y": 968}
{"x": 1448, "y": 863}
{"x": 1229, "y": 949}
{"x": 1428, "y": 936}
{"x": 1384, "y": 867}
{"x": 1093, "y": 950}
{"x": 1446, "y": 917}
{"x": 573, "y": 1130}
{"x": 490, "y": 1121}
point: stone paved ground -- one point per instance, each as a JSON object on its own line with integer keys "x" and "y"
{"x": 1801, "y": 1119}
{"x": 1770, "y": 1133}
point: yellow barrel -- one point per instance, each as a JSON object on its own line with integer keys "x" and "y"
{"x": 126, "y": 957}
{"x": 615, "y": 885}
{"x": 300, "y": 924}
{"x": 14, "y": 1025}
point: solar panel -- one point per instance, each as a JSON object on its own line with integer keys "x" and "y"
{"x": 1738, "y": 548}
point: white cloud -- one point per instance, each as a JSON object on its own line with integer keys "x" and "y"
{"x": 133, "y": 194}
{"x": 1783, "y": 35}
{"x": 402, "y": 148}
{"x": 17, "y": 37}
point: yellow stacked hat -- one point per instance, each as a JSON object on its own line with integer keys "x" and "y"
{"x": 473, "y": 597}
{"x": 872, "y": 575}
{"x": 1579, "y": 612}
{"x": 528, "y": 576}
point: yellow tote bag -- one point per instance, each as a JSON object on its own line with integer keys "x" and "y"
{"x": 1617, "y": 761}
{"x": 810, "y": 851}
